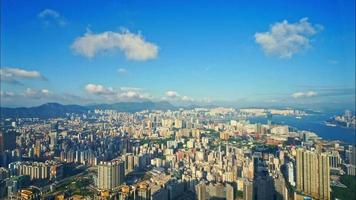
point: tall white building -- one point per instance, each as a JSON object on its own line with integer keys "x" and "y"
{"x": 290, "y": 171}
{"x": 110, "y": 174}
{"x": 53, "y": 139}
{"x": 313, "y": 174}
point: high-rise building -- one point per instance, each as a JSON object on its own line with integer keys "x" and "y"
{"x": 313, "y": 174}
{"x": 53, "y": 139}
{"x": 248, "y": 193}
{"x": 110, "y": 174}
{"x": 37, "y": 170}
{"x": 230, "y": 192}
{"x": 263, "y": 188}
{"x": 201, "y": 191}
{"x": 7, "y": 140}
{"x": 334, "y": 159}
{"x": 353, "y": 155}
{"x": 281, "y": 191}
{"x": 348, "y": 114}
{"x": 269, "y": 118}
{"x": 290, "y": 173}
{"x": 38, "y": 148}
{"x": 143, "y": 192}
{"x": 129, "y": 162}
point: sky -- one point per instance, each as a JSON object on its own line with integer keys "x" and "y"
{"x": 233, "y": 53}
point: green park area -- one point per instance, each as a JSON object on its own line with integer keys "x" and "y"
{"x": 345, "y": 193}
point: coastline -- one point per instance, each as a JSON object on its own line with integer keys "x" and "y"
{"x": 316, "y": 124}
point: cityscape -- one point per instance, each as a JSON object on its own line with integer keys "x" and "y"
{"x": 177, "y": 100}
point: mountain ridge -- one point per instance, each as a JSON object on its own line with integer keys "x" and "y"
{"x": 53, "y": 109}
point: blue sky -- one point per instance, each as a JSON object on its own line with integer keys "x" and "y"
{"x": 243, "y": 53}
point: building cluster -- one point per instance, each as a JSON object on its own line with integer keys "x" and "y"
{"x": 347, "y": 119}
{"x": 37, "y": 170}
{"x": 183, "y": 154}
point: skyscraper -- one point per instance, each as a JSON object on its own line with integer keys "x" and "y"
{"x": 290, "y": 173}
{"x": 38, "y": 148}
{"x": 143, "y": 192}
{"x": 334, "y": 159}
{"x": 269, "y": 118}
{"x": 248, "y": 193}
{"x": 110, "y": 174}
{"x": 263, "y": 188}
{"x": 353, "y": 155}
{"x": 53, "y": 139}
{"x": 313, "y": 174}
{"x": 230, "y": 192}
{"x": 348, "y": 114}
{"x": 201, "y": 191}
{"x": 7, "y": 140}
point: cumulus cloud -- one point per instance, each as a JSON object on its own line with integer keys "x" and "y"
{"x": 21, "y": 73}
{"x": 15, "y": 75}
{"x": 29, "y": 94}
{"x": 130, "y": 95}
{"x": 132, "y": 45}
{"x": 35, "y": 93}
{"x": 120, "y": 94}
{"x": 176, "y": 97}
{"x": 98, "y": 89}
{"x": 172, "y": 94}
{"x": 304, "y": 94}
{"x": 285, "y": 39}
{"x": 187, "y": 99}
{"x": 49, "y": 16}
{"x": 133, "y": 95}
{"x": 45, "y": 91}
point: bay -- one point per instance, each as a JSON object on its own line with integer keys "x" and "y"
{"x": 314, "y": 123}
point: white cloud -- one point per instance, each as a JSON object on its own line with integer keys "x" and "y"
{"x": 14, "y": 75}
{"x": 187, "y": 99}
{"x": 98, "y": 89}
{"x": 49, "y": 16}
{"x": 122, "y": 71}
{"x": 304, "y": 94}
{"x": 176, "y": 97}
{"x": 130, "y": 94}
{"x": 285, "y": 39}
{"x": 45, "y": 91}
{"x": 17, "y": 72}
{"x": 121, "y": 94}
{"x": 34, "y": 93}
{"x": 172, "y": 94}
{"x": 6, "y": 94}
{"x": 132, "y": 45}
{"x": 30, "y": 92}
{"x": 33, "y": 96}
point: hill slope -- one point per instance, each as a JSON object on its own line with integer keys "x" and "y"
{"x": 50, "y": 110}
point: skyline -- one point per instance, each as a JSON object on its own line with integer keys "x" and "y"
{"x": 201, "y": 53}
{"x": 177, "y": 100}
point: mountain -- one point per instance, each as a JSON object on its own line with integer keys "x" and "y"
{"x": 48, "y": 110}
{"x": 51, "y": 110}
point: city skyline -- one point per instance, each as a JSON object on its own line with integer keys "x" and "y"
{"x": 199, "y": 53}
{"x": 177, "y": 100}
